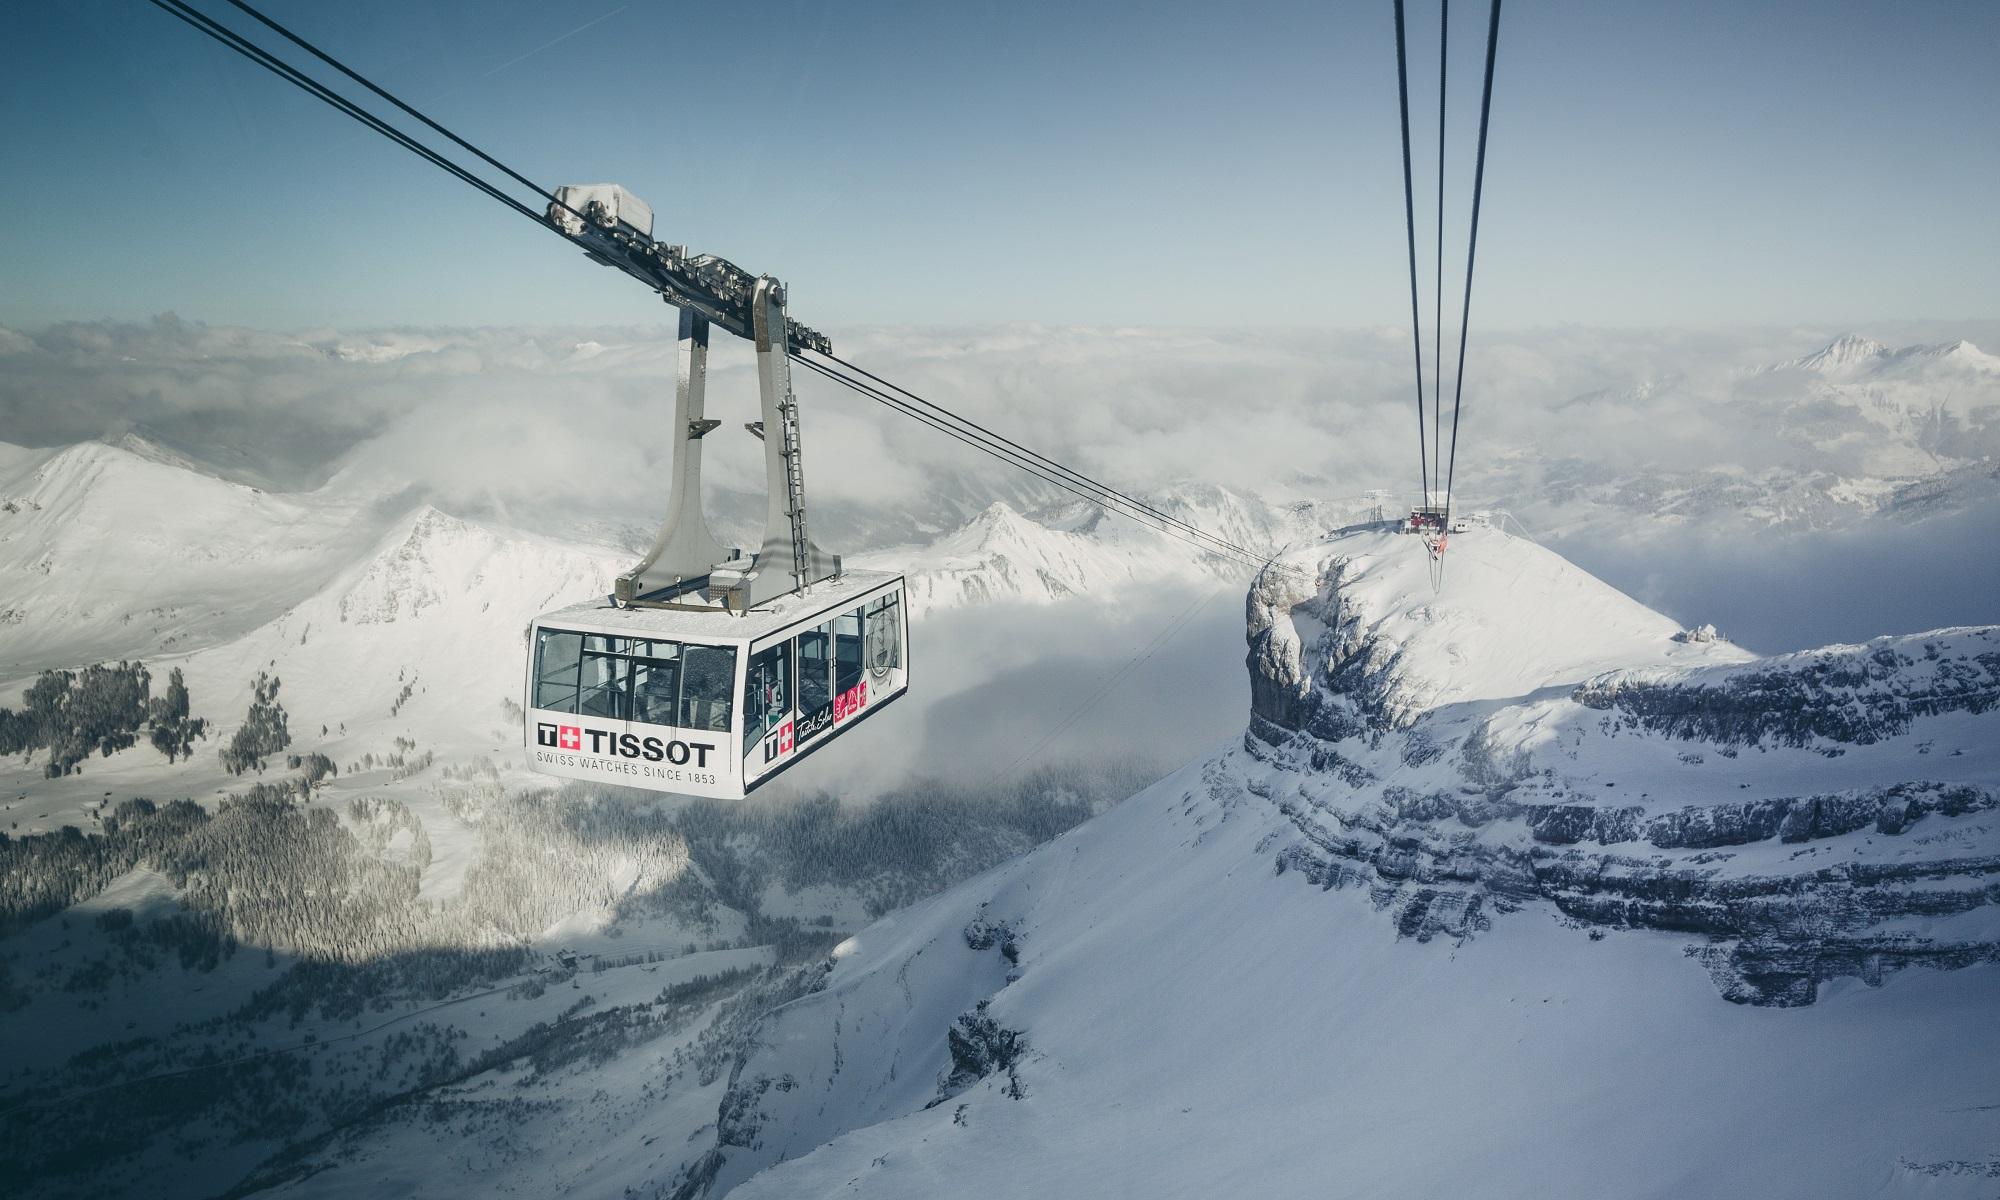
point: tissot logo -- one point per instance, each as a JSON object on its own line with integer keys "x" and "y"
{"x": 624, "y": 745}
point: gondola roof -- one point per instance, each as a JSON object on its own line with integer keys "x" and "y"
{"x": 717, "y": 625}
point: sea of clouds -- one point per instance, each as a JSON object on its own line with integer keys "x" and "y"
{"x": 1569, "y": 429}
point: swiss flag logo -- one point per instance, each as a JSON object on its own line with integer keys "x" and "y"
{"x": 785, "y": 738}
{"x": 569, "y": 737}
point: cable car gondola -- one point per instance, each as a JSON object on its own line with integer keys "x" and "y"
{"x": 707, "y": 671}
{"x": 711, "y": 703}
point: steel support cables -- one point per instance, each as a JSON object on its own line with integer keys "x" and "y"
{"x": 988, "y": 434}
{"x": 460, "y": 142}
{"x": 306, "y": 83}
{"x": 1472, "y": 248}
{"x": 1139, "y": 659}
{"x": 1410, "y": 227}
{"x": 1437, "y": 311}
{"x": 900, "y": 399}
{"x": 1076, "y": 484}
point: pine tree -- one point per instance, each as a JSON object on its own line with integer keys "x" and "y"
{"x": 174, "y": 732}
{"x": 263, "y": 731}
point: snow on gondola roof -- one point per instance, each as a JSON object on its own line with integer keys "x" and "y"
{"x": 598, "y": 616}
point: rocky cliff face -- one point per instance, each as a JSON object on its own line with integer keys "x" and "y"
{"x": 1527, "y": 733}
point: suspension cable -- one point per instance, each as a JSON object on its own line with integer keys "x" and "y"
{"x": 934, "y": 415}
{"x": 290, "y": 74}
{"x": 1472, "y": 245}
{"x": 1080, "y": 486}
{"x": 1150, "y": 510}
{"x": 1139, "y": 659}
{"x": 337, "y": 65}
{"x": 1437, "y": 311}
{"x": 1410, "y": 226}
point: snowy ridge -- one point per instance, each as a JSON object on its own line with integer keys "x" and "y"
{"x": 442, "y": 604}
{"x": 1606, "y": 837}
{"x": 1851, "y": 355}
{"x": 110, "y": 553}
{"x": 1079, "y": 549}
{"x": 1002, "y": 555}
{"x": 1513, "y": 618}
{"x": 1848, "y": 352}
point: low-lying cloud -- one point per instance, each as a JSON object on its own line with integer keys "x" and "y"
{"x": 1649, "y": 455}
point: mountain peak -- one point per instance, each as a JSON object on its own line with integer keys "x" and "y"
{"x": 1350, "y": 634}
{"x": 1846, "y": 352}
{"x": 1961, "y": 353}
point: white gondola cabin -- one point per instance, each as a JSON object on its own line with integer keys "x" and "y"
{"x": 711, "y": 703}
{"x": 708, "y": 670}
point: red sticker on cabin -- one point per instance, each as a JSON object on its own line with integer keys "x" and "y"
{"x": 851, "y": 701}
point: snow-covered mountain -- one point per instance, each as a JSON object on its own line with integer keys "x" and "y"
{"x": 1074, "y": 550}
{"x": 1893, "y": 413}
{"x": 1797, "y": 430}
{"x": 1846, "y": 353}
{"x": 1451, "y": 807}
{"x": 200, "y": 561}
{"x": 391, "y": 625}
{"x": 1003, "y": 555}
{"x": 439, "y": 606}
{"x": 1511, "y": 888}
{"x": 1851, "y": 356}
{"x": 156, "y": 914}
{"x": 1825, "y": 441}
{"x": 109, "y": 553}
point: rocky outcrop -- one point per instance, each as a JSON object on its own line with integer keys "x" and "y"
{"x": 1888, "y": 810}
{"x": 1644, "y": 795}
{"x": 1845, "y": 695}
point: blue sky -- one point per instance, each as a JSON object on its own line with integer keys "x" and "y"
{"x": 1168, "y": 164}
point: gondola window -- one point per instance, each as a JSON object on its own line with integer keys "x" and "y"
{"x": 815, "y": 676}
{"x": 768, "y": 691}
{"x": 557, "y": 657}
{"x": 847, "y": 651}
{"x": 655, "y": 681}
{"x": 708, "y": 683}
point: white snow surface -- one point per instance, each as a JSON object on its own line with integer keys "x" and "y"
{"x": 1195, "y": 1023}
{"x": 1198, "y": 1025}
{"x": 111, "y": 553}
{"x": 1003, "y": 555}
{"x": 1511, "y": 617}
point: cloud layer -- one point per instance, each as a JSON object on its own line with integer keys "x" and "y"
{"x": 1649, "y": 455}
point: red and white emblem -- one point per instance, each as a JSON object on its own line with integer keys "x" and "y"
{"x": 785, "y": 738}
{"x": 570, "y": 737}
